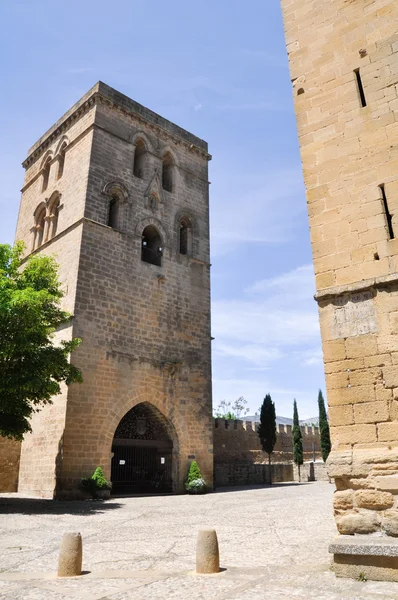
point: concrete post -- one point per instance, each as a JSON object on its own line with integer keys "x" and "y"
{"x": 207, "y": 554}
{"x": 70, "y": 555}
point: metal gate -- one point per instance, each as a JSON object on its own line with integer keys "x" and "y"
{"x": 140, "y": 469}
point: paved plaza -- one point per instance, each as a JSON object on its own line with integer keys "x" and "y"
{"x": 273, "y": 544}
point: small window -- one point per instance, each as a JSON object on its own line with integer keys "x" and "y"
{"x": 46, "y": 175}
{"x": 139, "y": 160}
{"x": 61, "y": 161}
{"x": 185, "y": 245}
{"x": 114, "y": 212}
{"x": 40, "y": 223}
{"x": 53, "y": 218}
{"x": 168, "y": 173}
{"x": 151, "y": 249}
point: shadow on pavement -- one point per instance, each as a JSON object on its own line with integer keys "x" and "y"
{"x": 258, "y": 486}
{"x": 39, "y": 506}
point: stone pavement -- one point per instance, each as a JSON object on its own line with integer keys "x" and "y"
{"x": 273, "y": 544}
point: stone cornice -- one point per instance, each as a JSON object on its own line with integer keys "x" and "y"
{"x": 103, "y": 94}
{"x": 358, "y": 286}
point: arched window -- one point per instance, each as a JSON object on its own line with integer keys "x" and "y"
{"x": 185, "y": 233}
{"x": 46, "y": 174}
{"x": 114, "y": 212}
{"x": 168, "y": 172}
{"x": 61, "y": 161}
{"x": 151, "y": 249}
{"x": 139, "y": 159}
{"x": 53, "y": 218}
{"x": 40, "y": 223}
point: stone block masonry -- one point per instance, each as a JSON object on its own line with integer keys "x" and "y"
{"x": 130, "y": 231}
{"x": 343, "y": 59}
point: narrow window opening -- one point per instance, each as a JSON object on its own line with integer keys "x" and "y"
{"x": 167, "y": 173}
{"x": 376, "y": 256}
{"x": 387, "y": 212}
{"x": 61, "y": 162}
{"x": 40, "y": 223}
{"x": 185, "y": 236}
{"x": 151, "y": 248}
{"x": 113, "y": 214}
{"x": 139, "y": 160}
{"x": 360, "y": 87}
{"x": 54, "y": 212}
{"x": 46, "y": 175}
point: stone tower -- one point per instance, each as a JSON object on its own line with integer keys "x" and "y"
{"x": 343, "y": 57}
{"x": 119, "y": 195}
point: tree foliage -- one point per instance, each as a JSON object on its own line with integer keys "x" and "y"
{"x": 324, "y": 430}
{"x": 267, "y": 428}
{"x": 231, "y": 410}
{"x": 32, "y": 366}
{"x": 298, "y": 455}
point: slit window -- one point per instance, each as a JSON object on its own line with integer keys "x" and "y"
{"x": 46, "y": 175}
{"x": 185, "y": 242}
{"x": 151, "y": 246}
{"x": 61, "y": 162}
{"x": 40, "y": 223}
{"x": 361, "y": 91}
{"x": 168, "y": 173}
{"x": 387, "y": 212}
{"x": 114, "y": 212}
{"x": 139, "y": 160}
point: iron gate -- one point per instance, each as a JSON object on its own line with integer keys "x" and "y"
{"x": 140, "y": 469}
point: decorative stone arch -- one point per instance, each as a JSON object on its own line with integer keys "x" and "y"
{"x": 141, "y": 135}
{"x": 150, "y": 400}
{"x": 141, "y": 225}
{"x": 47, "y": 157}
{"x": 117, "y": 195}
{"x": 63, "y": 141}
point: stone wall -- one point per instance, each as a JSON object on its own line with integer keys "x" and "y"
{"x": 246, "y": 473}
{"x": 236, "y": 440}
{"x": 343, "y": 58}
{"x": 10, "y": 451}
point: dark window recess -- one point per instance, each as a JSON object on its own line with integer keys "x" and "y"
{"x": 184, "y": 239}
{"x": 387, "y": 212}
{"x": 113, "y": 215}
{"x": 151, "y": 249}
{"x": 360, "y": 87}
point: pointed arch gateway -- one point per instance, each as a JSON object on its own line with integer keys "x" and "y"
{"x": 144, "y": 452}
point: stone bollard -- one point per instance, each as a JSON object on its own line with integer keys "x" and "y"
{"x": 207, "y": 554}
{"x": 70, "y": 555}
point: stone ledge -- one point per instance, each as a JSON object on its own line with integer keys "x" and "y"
{"x": 364, "y": 545}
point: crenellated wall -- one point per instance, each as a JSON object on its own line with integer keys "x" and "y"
{"x": 236, "y": 440}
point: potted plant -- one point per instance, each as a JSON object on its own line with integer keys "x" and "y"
{"x": 97, "y": 485}
{"x": 195, "y": 484}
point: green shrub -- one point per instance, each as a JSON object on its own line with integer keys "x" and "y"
{"x": 194, "y": 472}
{"x": 96, "y": 482}
{"x": 195, "y": 484}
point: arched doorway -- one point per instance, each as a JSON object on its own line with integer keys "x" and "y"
{"x": 142, "y": 448}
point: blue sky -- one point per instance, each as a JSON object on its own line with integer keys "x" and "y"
{"x": 218, "y": 69}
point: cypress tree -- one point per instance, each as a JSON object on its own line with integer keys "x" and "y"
{"x": 297, "y": 439}
{"x": 267, "y": 429}
{"x": 324, "y": 431}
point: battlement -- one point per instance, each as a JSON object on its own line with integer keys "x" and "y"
{"x": 236, "y": 439}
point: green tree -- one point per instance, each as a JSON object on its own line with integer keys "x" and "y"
{"x": 32, "y": 365}
{"x": 297, "y": 439}
{"x": 324, "y": 430}
{"x": 267, "y": 429}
